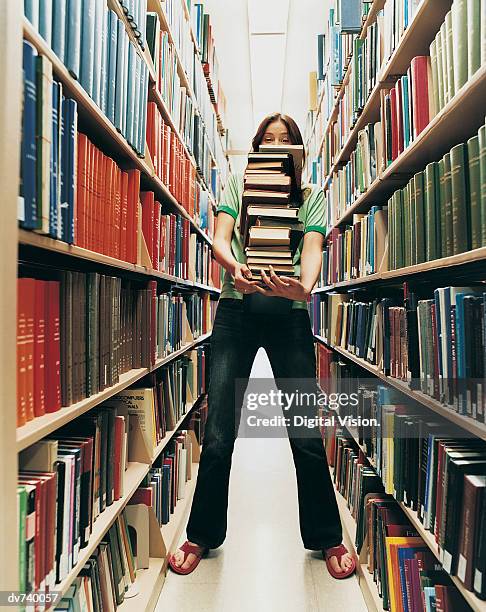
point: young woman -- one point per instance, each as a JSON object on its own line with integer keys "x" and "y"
{"x": 288, "y": 340}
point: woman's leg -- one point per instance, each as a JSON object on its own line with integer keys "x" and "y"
{"x": 290, "y": 348}
{"x": 233, "y": 350}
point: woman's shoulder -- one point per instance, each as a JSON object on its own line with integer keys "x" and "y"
{"x": 310, "y": 191}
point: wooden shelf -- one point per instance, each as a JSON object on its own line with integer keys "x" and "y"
{"x": 415, "y": 41}
{"x": 172, "y": 531}
{"x": 42, "y": 426}
{"x": 157, "y": 7}
{"x": 444, "y": 264}
{"x": 101, "y": 126}
{"x": 368, "y": 587}
{"x": 476, "y": 604}
{"x": 26, "y": 237}
{"x": 149, "y": 583}
{"x": 134, "y": 475}
{"x": 468, "y": 424}
{"x": 453, "y": 124}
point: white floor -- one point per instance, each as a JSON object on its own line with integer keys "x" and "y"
{"x": 262, "y": 566}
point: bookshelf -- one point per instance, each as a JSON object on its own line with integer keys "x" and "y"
{"x": 32, "y": 248}
{"x": 456, "y": 122}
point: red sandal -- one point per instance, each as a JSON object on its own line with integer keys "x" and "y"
{"x": 187, "y": 549}
{"x": 338, "y": 552}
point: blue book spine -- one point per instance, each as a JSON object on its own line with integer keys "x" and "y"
{"x": 71, "y": 128}
{"x": 60, "y": 153}
{"x": 59, "y": 28}
{"x": 127, "y": 75}
{"x": 104, "y": 60}
{"x": 132, "y": 85}
{"x": 350, "y": 16}
{"x": 112, "y": 62}
{"x": 143, "y": 109}
{"x": 31, "y": 11}
{"x": 98, "y": 51}
{"x": 73, "y": 37}
{"x": 439, "y": 340}
{"x": 27, "y": 203}
{"x": 53, "y": 217}
{"x": 63, "y": 171}
{"x": 87, "y": 45}
{"x": 119, "y": 107}
{"x": 133, "y": 139}
{"x": 45, "y": 20}
{"x": 406, "y": 116}
{"x": 461, "y": 351}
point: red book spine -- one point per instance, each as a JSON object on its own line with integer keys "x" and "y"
{"x": 394, "y": 128}
{"x": 138, "y": 212}
{"x": 173, "y": 163}
{"x": 53, "y": 348}
{"x": 88, "y": 230}
{"x": 151, "y": 132}
{"x": 83, "y": 161}
{"x": 143, "y": 495}
{"x": 29, "y": 344}
{"x": 186, "y": 248}
{"x": 163, "y": 238}
{"x": 108, "y": 204}
{"x": 118, "y": 211}
{"x": 124, "y": 215}
{"x": 156, "y": 235}
{"x": 21, "y": 354}
{"x": 39, "y": 348}
{"x": 420, "y": 93}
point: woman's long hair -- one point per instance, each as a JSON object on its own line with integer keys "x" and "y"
{"x": 295, "y": 137}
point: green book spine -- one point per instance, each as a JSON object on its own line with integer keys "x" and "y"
{"x": 482, "y": 178}
{"x": 22, "y": 514}
{"x": 440, "y": 69}
{"x": 459, "y": 42}
{"x": 400, "y": 241}
{"x": 460, "y": 207}
{"x": 474, "y": 36}
{"x": 446, "y": 205}
{"x": 419, "y": 220}
{"x": 474, "y": 190}
{"x": 432, "y": 228}
{"x": 440, "y": 207}
{"x": 435, "y": 76}
{"x": 412, "y": 222}
{"x": 444, "y": 63}
{"x": 450, "y": 56}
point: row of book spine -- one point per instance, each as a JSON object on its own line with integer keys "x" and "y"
{"x": 67, "y": 481}
{"x": 439, "y": 213}
{"x": 77, "y": 333}
{"x": 407, "y": 574}
{"x": 435, "y": 345}
{"x": 96, "y": 49}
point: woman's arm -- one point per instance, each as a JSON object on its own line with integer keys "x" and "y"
{"x": 310, "y": 268}
{"x": 224, "y": 256}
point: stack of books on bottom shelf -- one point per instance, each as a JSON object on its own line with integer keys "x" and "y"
{"x": 270, "y": 229}
{"x": 407, "y": 574}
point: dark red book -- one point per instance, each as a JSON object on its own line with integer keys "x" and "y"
{"x": 123, "y": 216}
{"x": 421, "y": 93}
{"x": 143, "y": 495}
{"x": 39, "y": 348}
{"x": 21, "y": 355}
{"x": 148, "y": 204}
{"x": 28, "y": 295}
{"x": 156, "y": 236}
{"x": 53, "y": 348}
{"x": 82, "y": 192}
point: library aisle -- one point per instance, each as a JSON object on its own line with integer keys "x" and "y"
{"x": 262, "y": 565}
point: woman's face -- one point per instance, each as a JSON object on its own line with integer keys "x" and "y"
{"x": 276, "y": 134}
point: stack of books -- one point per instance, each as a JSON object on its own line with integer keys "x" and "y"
{"x": 270, "y": 229}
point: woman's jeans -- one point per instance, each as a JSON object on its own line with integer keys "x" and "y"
{"x": 235, "y": 340}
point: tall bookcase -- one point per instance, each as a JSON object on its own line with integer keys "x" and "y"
{"x": 457, "y": 121}
{"x": 34, "y": 247}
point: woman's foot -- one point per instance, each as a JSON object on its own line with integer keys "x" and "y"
{"x": 340, "y": 562}
{"x": 185, "y": 560}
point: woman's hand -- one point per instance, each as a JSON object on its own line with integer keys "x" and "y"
{"x": 283, "y": 286}
{"x": 243, "y": 282}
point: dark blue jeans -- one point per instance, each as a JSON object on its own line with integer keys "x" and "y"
{"x": 288, "y": 341}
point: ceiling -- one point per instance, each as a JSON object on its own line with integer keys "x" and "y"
{"x": 266, "y": 49}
